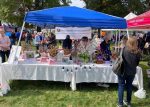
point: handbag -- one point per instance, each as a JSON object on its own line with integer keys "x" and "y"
{"x": 117, "y": 66}
{"x": 140, "y": 94}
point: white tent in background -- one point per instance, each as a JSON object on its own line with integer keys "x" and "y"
{"x": 130, "y": 16}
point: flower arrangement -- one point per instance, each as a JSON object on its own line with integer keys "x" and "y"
{"x": 53, "y": 51}
{"x": 85, "y": 50}
{"x": 30, "y": 54}
{"x": 84, "y": 57}
{"x": 43, "y": 51}
{"x": 98, "y": 57}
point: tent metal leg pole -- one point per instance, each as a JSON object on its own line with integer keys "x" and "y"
{"x": 119, "y": 39}
{"x": 127, "y": 33}
{"x": 116, "y": 41}
{"x": 19, "y": 41}
{"x": 21, "y": 33}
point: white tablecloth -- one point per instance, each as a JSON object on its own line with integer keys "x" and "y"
{"x": 33, "y": 72}
{"x": 102, "y": 73}
{"x": 61, "y": 72}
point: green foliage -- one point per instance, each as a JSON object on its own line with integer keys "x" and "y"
{"x": 7, "y": 7}
{"x": 145, "y": 57}
{"x": 146, "y": 4}
{"x": 117, "y": 7}
{"x": 13, "y": 11}
{"x": 136, "y": 6}
{"x": 84, "y": 57}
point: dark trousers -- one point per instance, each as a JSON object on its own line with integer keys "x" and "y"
{"x": 125, "y": 81}
{"x": 28, "y": 41}
{"x": 37, "y": 46}
{"x": 3, "y": 54}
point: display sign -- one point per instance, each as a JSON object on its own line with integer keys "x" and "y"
{"x": 74, "y": 32}
{"x": 14, "y": 54}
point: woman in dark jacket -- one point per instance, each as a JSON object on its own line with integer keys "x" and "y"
{"x": 131, "y": 59}
{"x": 67, "y": 43}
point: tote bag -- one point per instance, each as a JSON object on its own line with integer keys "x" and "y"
{"x": 118, "y": 64}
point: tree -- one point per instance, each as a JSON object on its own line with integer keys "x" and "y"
{"x": 136, "y": 6}
{"x": 7, "y": 11}
{"x": 146, "y": 4}
{"x": 13, "y": 11}
{"x": 116, "y": 7}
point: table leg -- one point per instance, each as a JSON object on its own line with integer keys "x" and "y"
{"x": 73, "y": 81}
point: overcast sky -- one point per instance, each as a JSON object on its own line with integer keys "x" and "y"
{"x": 78, "y": 3}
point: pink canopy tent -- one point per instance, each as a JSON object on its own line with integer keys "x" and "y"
{"x": 140, "y": 22}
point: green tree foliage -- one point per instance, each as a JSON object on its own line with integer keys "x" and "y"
{"x": 136, "y": 6}
{"x": 117, "y": 7}
{"x": 146, "y": 4}
{"x": 13, "y": 11}
{"x": 7, "y": 9}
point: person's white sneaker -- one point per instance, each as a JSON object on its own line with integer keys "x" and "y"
{"x": 126, "y": 103}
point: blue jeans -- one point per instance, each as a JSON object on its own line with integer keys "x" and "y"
{"x": 125, "y": 81}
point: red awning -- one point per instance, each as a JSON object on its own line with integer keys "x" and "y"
{"x": 140, "y": 22}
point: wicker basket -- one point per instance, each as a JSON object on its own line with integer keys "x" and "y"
{"x": 99, "y": 62}
{"x": 67, "y": 51}
{"x": 53, "y": 52}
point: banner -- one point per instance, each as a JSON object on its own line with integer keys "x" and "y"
{"x": 74, "y": 32}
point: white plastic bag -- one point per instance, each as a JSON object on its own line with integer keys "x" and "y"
{"x": 140, "y": 94}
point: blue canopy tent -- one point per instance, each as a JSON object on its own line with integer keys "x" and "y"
{"x": 74, "y": 16}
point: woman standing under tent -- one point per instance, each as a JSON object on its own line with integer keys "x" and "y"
{"x": 13, "y": 38}
{"x": 67, "y": 43}
{"x": 131, "y": 58}
{"x": 105, "y": 48}
{"x": 4, "y": 45}
{"x": 37, "y": 41}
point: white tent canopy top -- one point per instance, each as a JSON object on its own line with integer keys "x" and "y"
{"x": 130, "y": 16}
